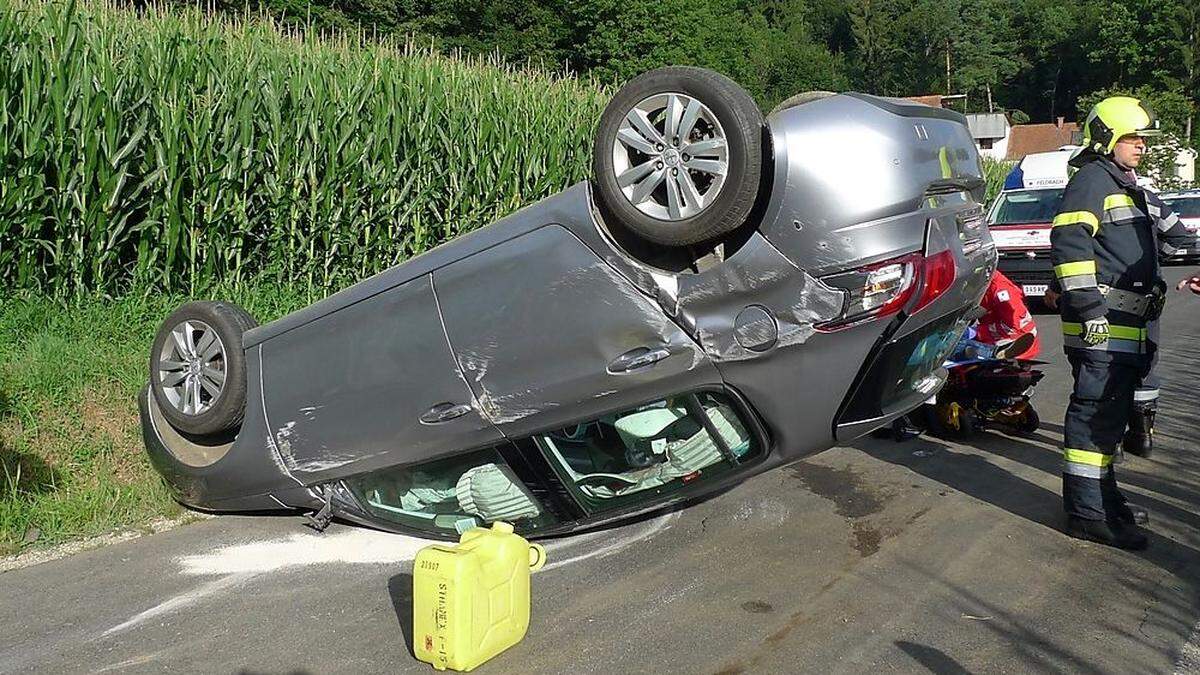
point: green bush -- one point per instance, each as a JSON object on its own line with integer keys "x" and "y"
{"x": 172, "y": 151}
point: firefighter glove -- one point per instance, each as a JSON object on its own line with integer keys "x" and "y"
{"x": 1095, "y": 331}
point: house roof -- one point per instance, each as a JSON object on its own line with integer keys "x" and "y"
{"x": 987, "y": 125}
{"x": 1030, "y": 138}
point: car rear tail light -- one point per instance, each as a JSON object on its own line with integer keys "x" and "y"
{"x": 937, "y": 276}
{"x": 885, "y": 288}
{"x": 874, "y": 291}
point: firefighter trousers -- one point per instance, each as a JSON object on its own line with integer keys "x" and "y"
{"x": 1101, "y": 403}
{"x": 1146, "y": 393}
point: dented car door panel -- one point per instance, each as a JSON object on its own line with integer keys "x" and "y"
{"x": 595, "y": 341}
{"x": 371, "y": 385}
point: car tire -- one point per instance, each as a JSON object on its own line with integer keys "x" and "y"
{"x": 968, "y": 423}
{"x": 1029, "y": 422}
{"x": 645, "y": 179}
{"x": 198, "y": 367}
{"x": 802, "y": 98}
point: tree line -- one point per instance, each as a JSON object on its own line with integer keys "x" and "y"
{"x": 1034, "y": 59}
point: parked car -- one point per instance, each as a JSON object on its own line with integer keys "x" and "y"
{"x": 726, "y": 295}
{"x": 1020, "y": 219}
{"x": 1186, "y": 204}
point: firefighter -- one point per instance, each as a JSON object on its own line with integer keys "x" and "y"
{"x": 1106, "y": 242}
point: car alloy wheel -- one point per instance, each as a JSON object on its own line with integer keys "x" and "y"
{"x": 192, "y": 367}
{"x": 670, "y": 156}
{"x": 677, "y": 158}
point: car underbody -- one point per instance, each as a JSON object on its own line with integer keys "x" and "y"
{"x": 554, "y": 371}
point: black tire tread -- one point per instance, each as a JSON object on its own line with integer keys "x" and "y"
{"x": 802, "y": 98}
{"x": 230, "y": 321}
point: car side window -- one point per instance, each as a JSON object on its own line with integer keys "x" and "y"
{"x": 451, "y": 495}
{"x": 656, "y": 448}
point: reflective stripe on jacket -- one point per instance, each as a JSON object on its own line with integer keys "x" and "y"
{"x": 1108, "y": 231}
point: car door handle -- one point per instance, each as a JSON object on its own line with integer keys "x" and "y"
{"x": 637, "y": 359}
{"x": 444, "y": 412}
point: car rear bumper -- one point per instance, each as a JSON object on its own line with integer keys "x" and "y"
{"x": 901, "y": 375}
{"x": 905, "y": 368}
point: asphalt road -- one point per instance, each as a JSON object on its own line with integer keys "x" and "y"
{"x": 884, "y": 557}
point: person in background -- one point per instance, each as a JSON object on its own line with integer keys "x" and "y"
{"x": 1007, "y": 319}
{"x": 1005, "y": 331}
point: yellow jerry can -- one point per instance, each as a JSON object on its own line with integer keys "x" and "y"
{"x": 471, "y": 600}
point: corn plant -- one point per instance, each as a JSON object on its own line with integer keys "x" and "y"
{"x": 994, "y": 173}
{"x": 171, "y": 150}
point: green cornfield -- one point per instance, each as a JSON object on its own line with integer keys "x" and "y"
{"x": 994, "y": 173}
{"x": 171, "y": 150}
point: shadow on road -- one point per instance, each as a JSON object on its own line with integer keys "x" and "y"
{"x": 934, "y": 660}
{"x": 977, "y": 476}
{"x": 973, "y": 475}
{"x": 1167, "y": 484}
{"x": 400, "y": 590}
{"x": 1032, "y": 645}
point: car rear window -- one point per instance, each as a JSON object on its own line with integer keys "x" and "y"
{"x": 1026, "y": 206}
{"x": 1186, "y": 207}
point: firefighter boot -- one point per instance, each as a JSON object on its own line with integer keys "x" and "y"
{"x": 1139, "y": 438}
{"x": 1116, "y": 507}
{"x": 1132, "y": 514}
{"x": 1116, "y": 534}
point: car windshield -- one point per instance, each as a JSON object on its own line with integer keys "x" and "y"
{"x": 1026, "y": 206}
{"x": 452, "y": 494}
{"x": 649, "y": 450}
{"x": 1186, "y": 207}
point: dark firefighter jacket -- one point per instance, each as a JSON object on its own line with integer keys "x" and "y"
{"x": 1110, "y": 234}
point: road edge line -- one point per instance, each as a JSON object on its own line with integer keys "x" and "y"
{"x": 70, "y": 548}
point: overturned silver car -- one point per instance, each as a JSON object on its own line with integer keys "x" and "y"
{"x": 728, "y": 294}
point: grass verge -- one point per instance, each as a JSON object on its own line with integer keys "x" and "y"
{"x": 71, "y": 457}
